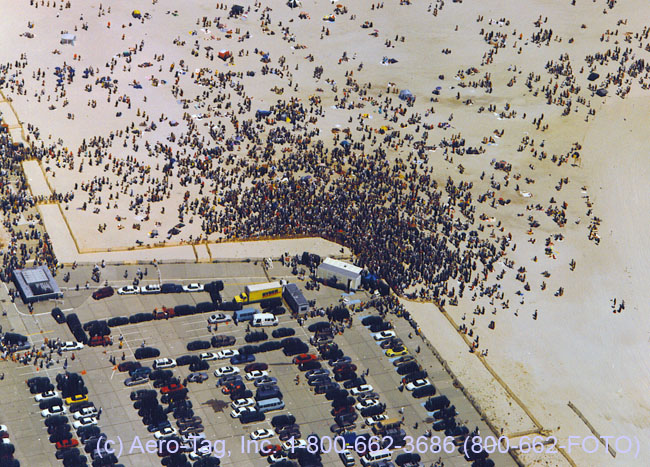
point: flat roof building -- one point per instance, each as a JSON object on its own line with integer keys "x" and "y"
{"x": 342, "y": 273}
{"x": 36, "y": 284}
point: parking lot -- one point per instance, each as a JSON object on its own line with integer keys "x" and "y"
{"x": 120, "y": 421}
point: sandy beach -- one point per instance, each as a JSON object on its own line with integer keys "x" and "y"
{"x": 508, "y": 185}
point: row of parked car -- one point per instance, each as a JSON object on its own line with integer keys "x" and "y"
{"x": 7, "y": 449}
{"x": 211, "y": 287}
{"x": 414, "y": 379}
{"x": 70, "y": 398}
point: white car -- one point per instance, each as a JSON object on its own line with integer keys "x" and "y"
{"x": 277, "y": 457}
{"x": 85, "y": 412}
{"x": 218, "y": 318}
{"x": 227, "y": 353}
{"x": 193, "y": 287}
{"x": 256, "y": 374}
{"x": 294, "y": 444}
{"x": 46, "y": 395}
{"x": 262, "y": 433}
{"x": 226, "y": 370}
{"x": 54, "y": 410}
{"x": 361, "y": 389}
{"x": 201, "y": 452}
{"x": 236, "y": 413}
{"x": 370, "y": 421}
{"x": 383, "y": 335}
{"x": 85, "y": 421}
{"x": 239, "y": 403}
{"x": 71, "y": 345}
{"x": 367, "y": 403}
{"x": 208, "y": 356}
{"x": 164, "y": 363}
{"x": 418, "y": 383}
{"x": 150, "y": 288}
{"x": 128, "y": 290}
{"x": 165, "y": 432}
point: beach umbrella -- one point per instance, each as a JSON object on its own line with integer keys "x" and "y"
{"x": 136, "y": 14}
{"x": 593, "y": 76}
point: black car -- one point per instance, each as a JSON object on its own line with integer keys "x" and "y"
{"x": 214, "y": 462}
{"x": 159, "y": 383}
{"x": 277, "y": 310}
{"x": 223, "y": 340}
{"x": 310, "y": 365}
{"x": 198, "y": 345}
{"x": 424, "y": 391}
{"x": 249, "y": 349}
{"x": 444, "y": 424}
{"x": 158, "y": 426}
{"x": 47, "y": 403}
{"x": 73, "y": 461}
{"x": 449, "y": 412}
{"x": 370, "y": 320}
{"x": 146, "y": 352}
{"x": 378, "y": 327}
{"x": 199, "y": 366}
{"x": 457, "y": 431}
{"x": 187, "y": 360}
{"x": 342, "y": 402}
{"x": 283, "y": 332}
{"x": 268, "y": 346}
{"x": 60, "y": 436}
{"x": 283, "y": 420}
{"x": 228, "y": 379}
{"x": 249, "y": 417}
{"x": 336, "y": 394}
{"x": 355, "y": 382}
{"x": 171, "y": 288}
{"x": 256, "y": 336}
{"x": 117, "y": 321}
{"x": 373, "y": 410}
{"x": 62, "y": 453}
{"x": 318, "y": 380}
{"x": 58, "y": 315}
{"x": 409, "y": 458}
{"x": 86, "y": 432}
{"x": 143, "y": 394}
{"x": 51, "y": 430}
{"x": 160, "y": 374}
{"x": 56, "y": 420}
{"x": 319, "y": 326}
{"x": 325, "y": 388}
{"x": 346, "y": 419}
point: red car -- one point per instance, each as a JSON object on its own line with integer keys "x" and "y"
{"x": 270, "y": 449}
{"x": 164, "y": 313}
{"x": 342, "y": 410}
{"x": 171, "y": 388}
{"x": 103, "y": 293}
{"x": 261, "y": 366}
{"x": 100, "y": 340}
{"x": 230, "y": 388}
{"x": 304, "y": 357}
{"x": 345, "y": 368}
{"x": 128, "y": 366}
{"x": 67, "y": 443}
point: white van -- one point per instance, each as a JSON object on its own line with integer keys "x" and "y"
{"x": 264, "y": 319}
{"x": 268, "y": 405}
{"x": 376, "y": 456}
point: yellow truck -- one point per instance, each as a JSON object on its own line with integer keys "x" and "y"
{"x": 258, "y": 292}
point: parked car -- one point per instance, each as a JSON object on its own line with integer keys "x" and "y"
{"x": 222, "y": 340}
{"x": 226, "y": 370}
{"x": 146, "y": 352}
{"x": 164, "y": 363}
{"x": 242, "y": 358}
{"x": 198, "y": 345}
{"x": 128, "y": 290}
{"x": 283, "y": 332}
{"x": 193, "y": 287}
{"x": 219, "y": 318}
{"x": 197, "y": 377}
{"x": 150, "y": 289}
{"x": 103, "y": 292}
